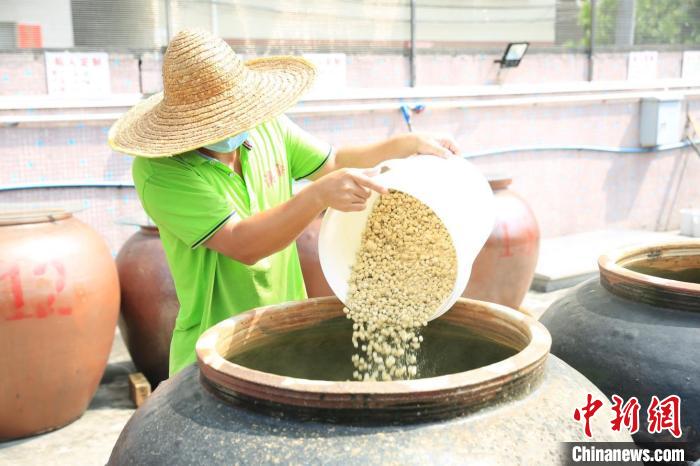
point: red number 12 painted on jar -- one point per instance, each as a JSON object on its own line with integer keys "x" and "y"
{"x": 43, "y": 310}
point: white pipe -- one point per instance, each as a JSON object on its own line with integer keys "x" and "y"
{"x": 297, "y": 185}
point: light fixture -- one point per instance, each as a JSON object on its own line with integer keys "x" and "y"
{"x": 515, "y": 51}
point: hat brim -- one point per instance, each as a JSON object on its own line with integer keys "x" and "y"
{"x": 155, "y": 128}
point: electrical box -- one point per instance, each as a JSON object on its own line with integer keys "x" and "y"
{"x": 660, "y": 120}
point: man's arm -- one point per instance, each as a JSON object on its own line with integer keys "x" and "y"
{"x": 335, "y": 185}
{"x": 272, "y": 230}
{"x": 369, "y": 155}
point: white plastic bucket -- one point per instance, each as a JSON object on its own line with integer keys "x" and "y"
{"x": 453, "y": 188}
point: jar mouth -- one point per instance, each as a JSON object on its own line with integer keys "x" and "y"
{"x": 407, "y": 400}
{"x": 499, "y": 181}
{"x": 654, "y": 274}
{"x": 149, "y": 230}
{"x": 22, "y": 217}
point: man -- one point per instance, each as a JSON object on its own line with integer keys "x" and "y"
{"x": 215, "y": 166}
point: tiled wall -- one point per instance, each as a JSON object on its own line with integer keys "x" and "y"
{"x": 109, "y": 210}
{"x": 77, "y": 154}
{"x": 25, "y": 73}
{"x": 570, "y": 191}
{"x": 437, "y": 70}
{"x": 124, "y": 73}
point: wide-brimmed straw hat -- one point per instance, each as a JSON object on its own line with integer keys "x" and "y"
{"x": 209, "y": 94}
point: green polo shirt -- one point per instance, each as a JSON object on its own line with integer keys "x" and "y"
{"x": 190, "y": 196}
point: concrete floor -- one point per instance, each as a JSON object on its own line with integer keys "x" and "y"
{"x": 89, "y": 440}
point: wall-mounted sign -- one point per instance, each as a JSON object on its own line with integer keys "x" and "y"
{"x": 85, "y": 74}
{"x": 691, "y": 64}
{"x": 642, "y": 65}
{"x": 332, "y": 70}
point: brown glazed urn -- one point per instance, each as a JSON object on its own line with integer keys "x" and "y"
{"x": 149, "y": 305}
{"x": 635, "y": 332}
{"x": 307, "y": 246}
{"x": 513, "y": 411}
{"x": 59, "y": 302}
{"x": 503, "y": 270}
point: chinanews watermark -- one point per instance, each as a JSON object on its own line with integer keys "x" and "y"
{"x": 625, "y": 453}
{"x": 663, "y": 416}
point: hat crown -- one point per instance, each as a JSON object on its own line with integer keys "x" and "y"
{"x": 198, "y": 66}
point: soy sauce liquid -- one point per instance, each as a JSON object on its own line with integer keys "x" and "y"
{"x": 323, "y": 352}
{"x": 690, "y": 275}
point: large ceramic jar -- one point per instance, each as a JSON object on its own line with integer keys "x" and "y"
{"x": 59, "y": 302}
{"x": 149, "y": 303}
{"x": 503, "y": 270}
{"x": 635, "y": 331}
{"x": 514, "y": 411}
{"x": 307, "y": 245}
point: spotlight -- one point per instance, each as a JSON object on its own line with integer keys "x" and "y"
{"x": 515, "y": 51}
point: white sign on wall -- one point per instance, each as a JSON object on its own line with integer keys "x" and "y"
{"x": 691, "y": 64}
{"x": 332, "y": 70}
{"x": 642, "y": 65}
{"x": 69, "y": 73}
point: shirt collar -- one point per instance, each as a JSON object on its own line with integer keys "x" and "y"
{"x": 206, "y": 157}
{"x": 194, "y": 157}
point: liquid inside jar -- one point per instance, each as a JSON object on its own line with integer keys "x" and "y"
{"x": 323, "y": 352}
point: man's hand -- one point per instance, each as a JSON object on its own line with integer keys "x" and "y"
{"x": 346, "y": 189}
{"x": 250, "y": 239}
{"x": 433, "y": 144}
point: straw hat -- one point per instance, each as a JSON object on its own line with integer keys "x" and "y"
{"x": 209, "y": 94}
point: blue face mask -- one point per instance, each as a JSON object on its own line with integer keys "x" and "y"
{"x": 228, "y": 144}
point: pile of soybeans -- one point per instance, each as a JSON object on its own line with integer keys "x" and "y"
{"x": 404, "y": 269}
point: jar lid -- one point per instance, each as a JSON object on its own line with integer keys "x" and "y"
{"x": 21, "y": 217}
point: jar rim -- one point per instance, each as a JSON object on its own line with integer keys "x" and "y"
{"x": 620, "y": 280}
{"x": 28, "y": 216}
{"x": 499, "y": 181}
{"x": 420, "y": 399}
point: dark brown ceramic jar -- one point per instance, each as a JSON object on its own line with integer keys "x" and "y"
{"x": 149, "y": 303}
{"x": 59, "y": 302}
{"x": 485, "y": 415}
{"x": 635, "y": 331}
